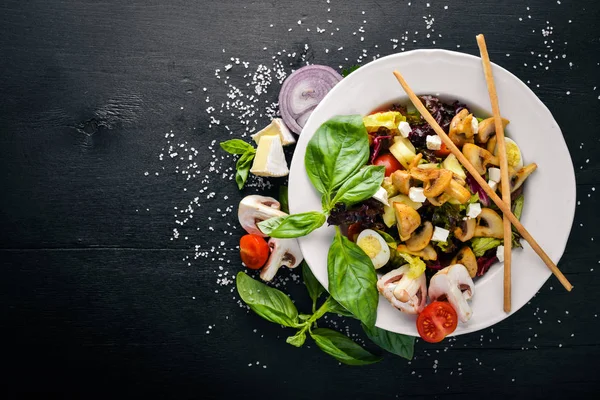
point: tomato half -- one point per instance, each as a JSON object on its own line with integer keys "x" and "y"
{"x": 389, "y": 162}
{"x": 353, "y": 231}
{"x": 254, "y": 251}
{"x": 443, "y": 151}
{"x": 436, "y": 321}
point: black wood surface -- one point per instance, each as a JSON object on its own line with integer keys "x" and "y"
{"x": 98, "y": 292}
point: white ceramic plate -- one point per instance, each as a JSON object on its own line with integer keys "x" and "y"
{"x": 548, "y": 212}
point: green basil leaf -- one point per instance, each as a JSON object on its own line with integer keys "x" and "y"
{"x": 314, "y": 287}
{"x": 360, "y": 186}
{"x": 243, "y": 165}
{"x": 236, "y": 146}
{"x": 336, "y": 151}
{"x": 298, "y": 339}
{"x": 395, "y": 343}
{"x": 336, "y": 308}
{"x": 388, "y": 239}
{"x": 292, "y": 226}
{"x": 352, "y": 279}
{"x": 342, "y": 348}
{"x": 271, "y": 304}
{"x": 283, "y": 199}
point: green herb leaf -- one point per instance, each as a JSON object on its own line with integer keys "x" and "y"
{"x": 314, "y": 287}
{"x": 292, "y": 226}
{"x": 283, "y": 199}
{"x": 236, "y": 146}
{"x": 338, "y": 149}
{"x": 395, "y": 343}
{"x": 298, "y": 339}
{"x": 352, "y": 279}
{"x": 336, "y": 308}
{"x": 243, "y": 165}
{"x": 342, "y": 348}
{"x": 349, "y": 70}
{"x": 480, "y": 245}
{"x": 271, "y": 304}
{"x": 360, "y": 186}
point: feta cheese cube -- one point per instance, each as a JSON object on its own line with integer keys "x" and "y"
{"x": 434, "y": 142}
{"x": 494, "y": 174}
{"x": 493, "y": 184}
{"x": 473, "y": 210}
{"x": 440, "y": 234}
{"x": 381, "y": 196}
{"x": 500, "y": 253}
{"x": 404, "y": 128}
{"x": 474, "y": 125}
{"x": 416, "y": 194}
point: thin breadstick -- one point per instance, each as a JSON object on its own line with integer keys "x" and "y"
{"x": 488, "y": 190}
{"x": 504, "y": 183}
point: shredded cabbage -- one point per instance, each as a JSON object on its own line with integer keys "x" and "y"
{"x": 388, "y": 119}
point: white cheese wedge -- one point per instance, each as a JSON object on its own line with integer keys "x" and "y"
{"x": 473, "y": 210}
{"x": 404, "y": 128}
{"x": 416, "y": 194}
{"x": 440, "y": 234}
{"x": 500, "y": 253}
{"x": 381, "y": 196}
{"x": 494, "y": 174}
{"x": 276, "y": 127}
{"x": 434, "y": 142}
{"x": 269, "y": 159}
{"x": 493, "y": 184}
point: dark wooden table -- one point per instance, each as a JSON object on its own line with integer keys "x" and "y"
{"x": 117, "y": 253}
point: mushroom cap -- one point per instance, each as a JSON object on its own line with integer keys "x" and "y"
{"x": 401, "y": 180}
{"x": 407, "y": 220}
{"x": 435, "y": 180}
{"x": 489, "y": 224}
{"x": 254, "y": 208}
{"x": 466, "y": 257}
{"x": 406, "y": 294}
{"x": 458, "y": 191}
{"x": 420, "y": 237}
{"x": 479, "y": 157}
{"x": 454, "y": 284}
{"x": 465, "y": 230}
{"x": 461, "y": 129}
{"x": 428, "y": 253}
{"x": 516, "y": 179}
{"x": 487, "y": 129}
{"x": 283, "y": 252}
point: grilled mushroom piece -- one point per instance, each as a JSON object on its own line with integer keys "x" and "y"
{"x": 462, "y": 128}
{"x": 428, "y": 253}
{"x": 401, "y": 180}
{"x": 466, "y": 257}
{"x": 487, "y": 129}
{"x": 421, "y": 237}
{"x": 465, "y": 230}
{"x": 458, "y": 191}
{"x": 454, "y": 284}
{"x": 517, "y": 178}
{"x": 435, "y": 180}
{"x": 405, "y": 294}
{"x": 407, "y": 220}
{"x": 489, "y": 224}
{"x": 479, "y": 157}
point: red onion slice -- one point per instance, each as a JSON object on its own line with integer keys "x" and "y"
{"x": 302, "y": 91}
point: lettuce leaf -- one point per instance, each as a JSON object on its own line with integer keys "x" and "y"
{"x": 480, "y": 245}
{"x": 388, "y": 119}
{"x": 417, "y": 266}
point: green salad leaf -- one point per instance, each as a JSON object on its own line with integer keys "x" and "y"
{"x": 417, "y": 266}
{"x": 360, "y": 186}
{"x": 271, "y": 304}
{"x": 395, "y": 343}
{"x": 236, "y": 146}
{"x": 314, "y": 287}
{"x": 352, "y": 279}
{"x": 334, "y": 307}
{"x": 292, "y": 226}
{"x": 342, "y": 348}
{"x": 480, "y": 245}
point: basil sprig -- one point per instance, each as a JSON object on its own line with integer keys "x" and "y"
{"x": 395, "y": 343}
{"x": 292, "y": 226}
{"x": 244, "y": 163}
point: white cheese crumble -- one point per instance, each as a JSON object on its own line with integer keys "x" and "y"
{"x": 404, "y": 128}
{"x": 473, "y": 210}
{"x": 416, "y": 194}
{"x": 493, "y": 184}
{"x": 434, "y": 142}
{"x": 500, "y": 253}
{"x": 474, "y": 125}
{"x": 494, "y": 174}
{"x": 440, "y": 234}
{"x": 381, "y": 195}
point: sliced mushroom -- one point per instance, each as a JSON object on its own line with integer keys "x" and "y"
{"x": 435, "y": 180}
{"x": 491, "y": 144}
{"x": 465, "y": 230}
{"x": 487, "y": 129}
{"x": 517, "y": 178}
{"x": 454, "y": 284}
{"x": 283, "y": 252}
{"x": 405, "y": 294}
{"x": 401, "y": 180}
{"x": 479, "y": 157}
{"x": 407, "y": 220}
{"x": 441, "y": 199}
{"x": 428, "y": 253}
{"x": 461, "y": 128}
{"x": 254, "y": 209}
{"x": 466, "y": 257}
{"x": 421, "y": 237}
{"x": 415, "y": 161}
{"x": 458, "y": 191}
{"x": 489, "y": 224}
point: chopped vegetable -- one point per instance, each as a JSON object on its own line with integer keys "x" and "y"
{"x": 436, "y": 321}
{"x": 254, "y": 251}
{"x": 480, "y": 245}
{"x": 388, "y": 119}
{"x": 417, "y": 266}
{"x": 475, "y": 188}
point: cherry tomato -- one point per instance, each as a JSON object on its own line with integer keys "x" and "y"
{"x": 353, "y": 231}
{"x": 436, "y": 321}
{"x": 254, "y": 251}
{"x": 389, "y": 162}
{"x": 443, "y": 151}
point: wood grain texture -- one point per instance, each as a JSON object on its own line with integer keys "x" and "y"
{"x": 96, "y": 296}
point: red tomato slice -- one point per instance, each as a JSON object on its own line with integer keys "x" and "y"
{"x": 389, "y": 162}
{"x": 436, "y": 321}
{"x": 254, "y": 251}
{"x": 443, "y": 151}
{"x": 353, "y": 231}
